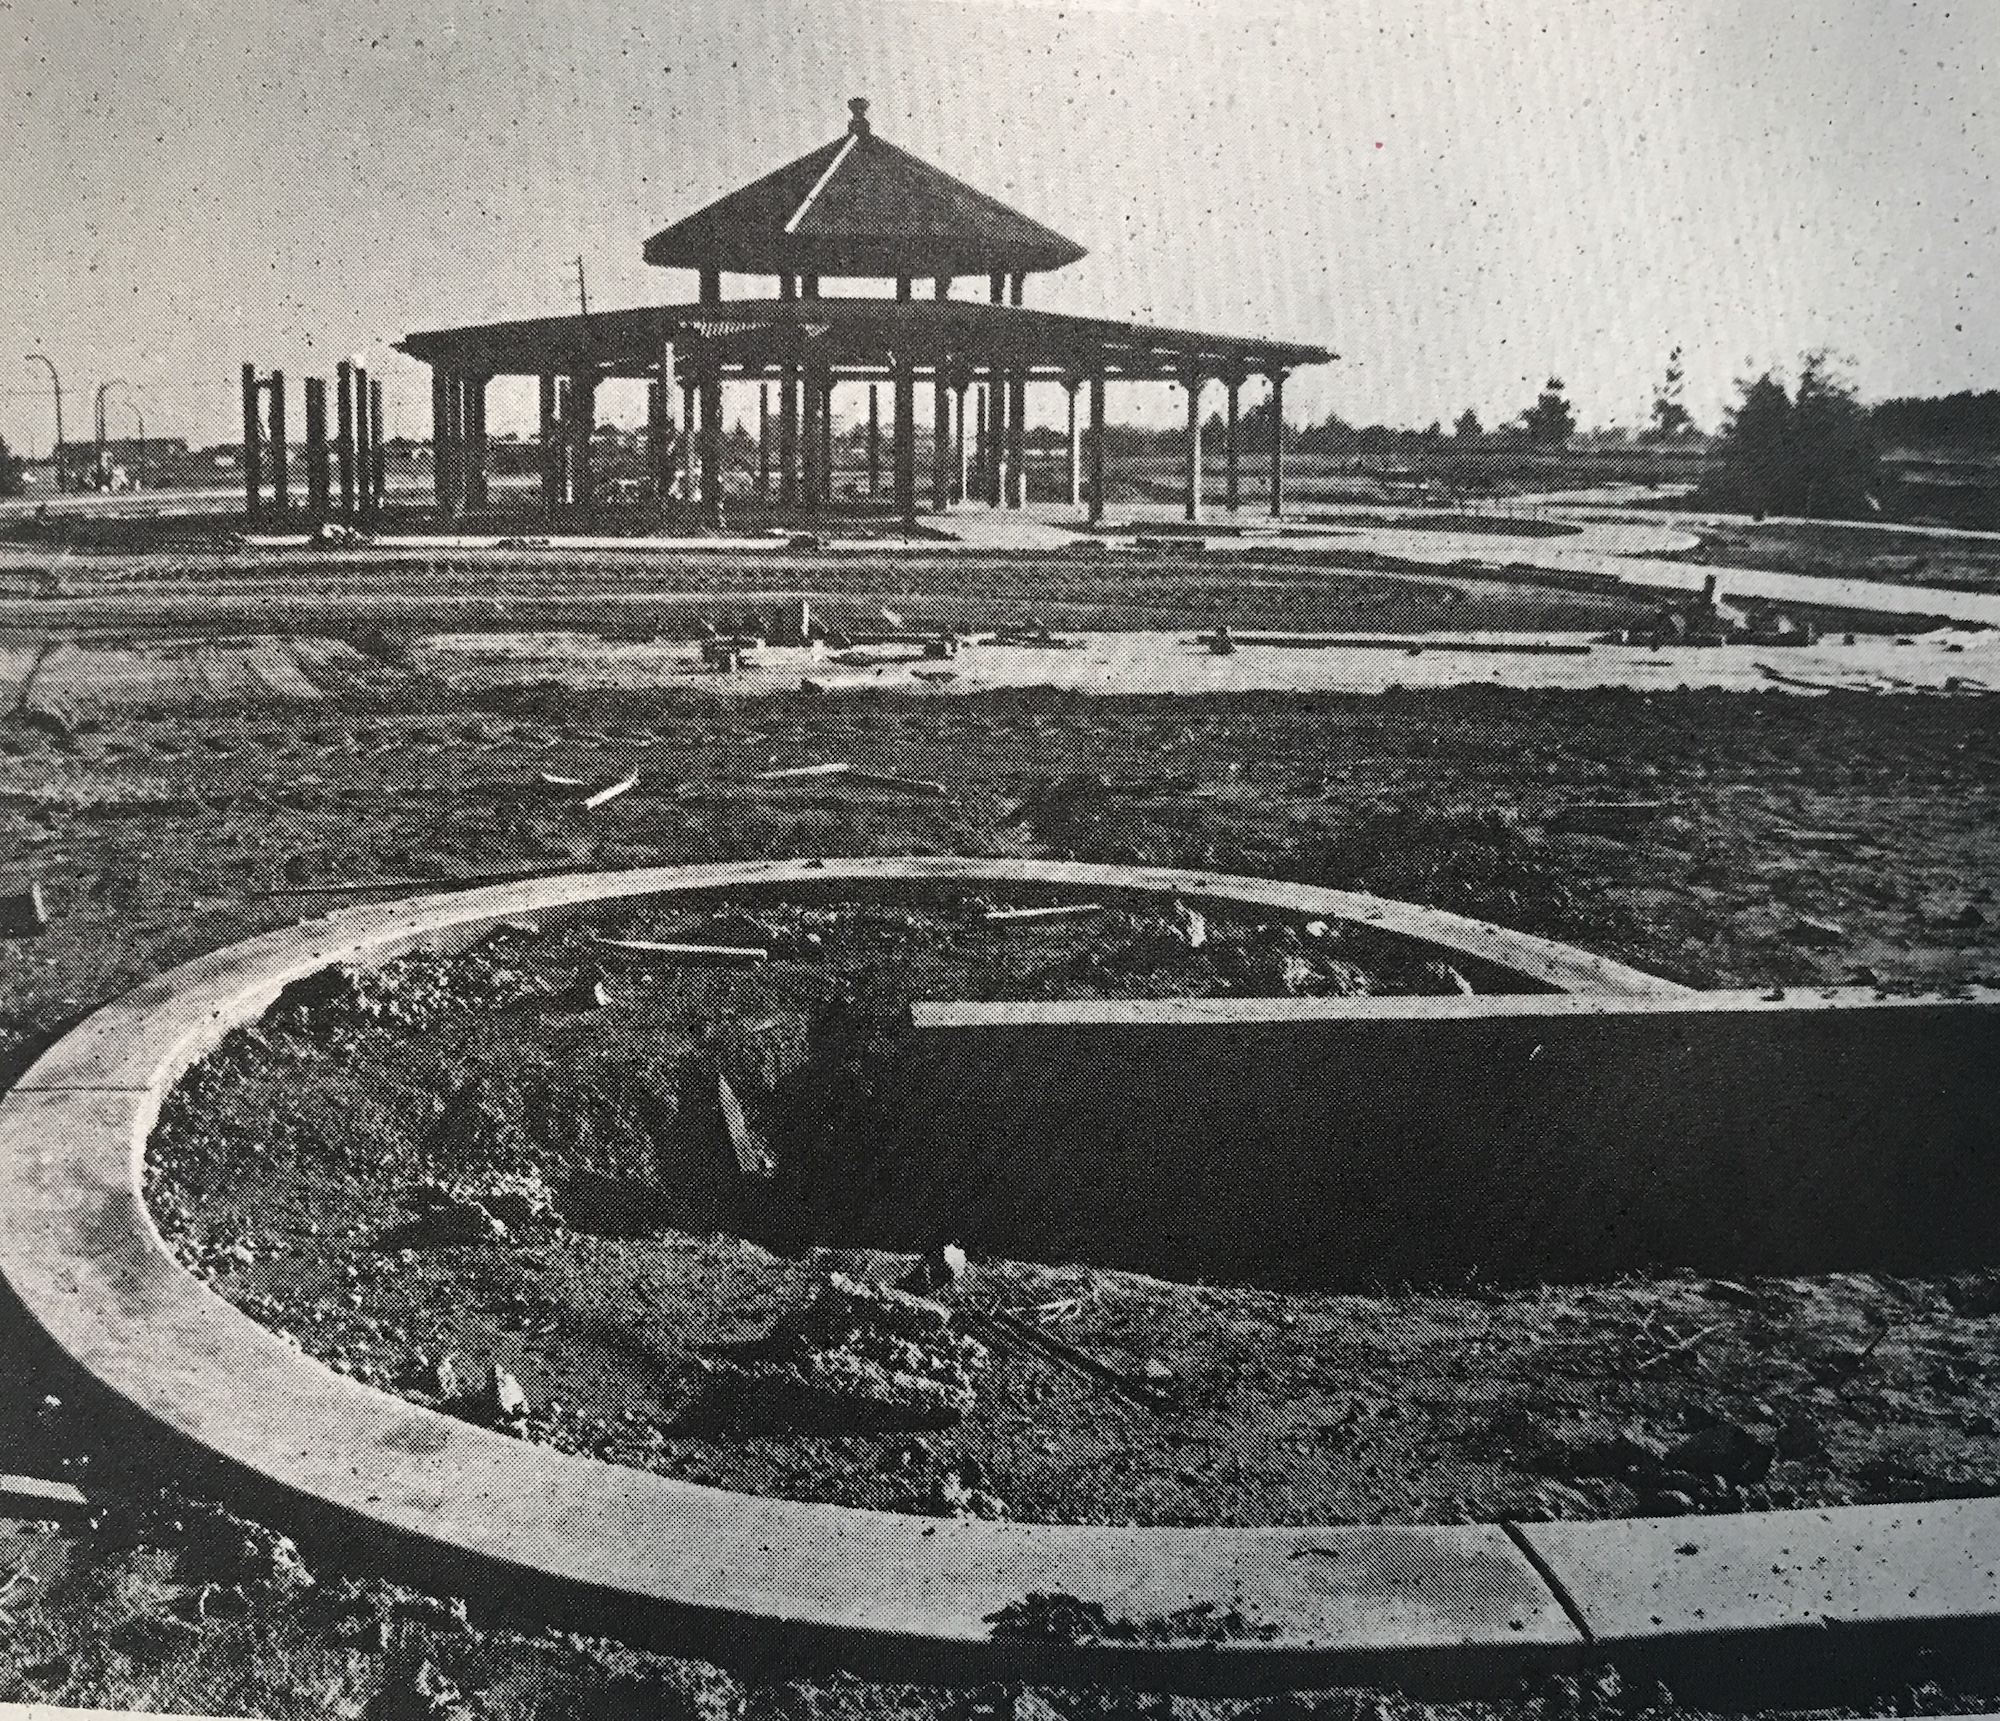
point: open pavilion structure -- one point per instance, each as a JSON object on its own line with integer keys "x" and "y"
{"x": 858, "y": 208}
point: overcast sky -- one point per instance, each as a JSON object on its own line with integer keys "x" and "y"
{"x": 1460, "y": 198}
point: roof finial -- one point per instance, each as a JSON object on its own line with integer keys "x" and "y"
{"x": 858, "y": 125}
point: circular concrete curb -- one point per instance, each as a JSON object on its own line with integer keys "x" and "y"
{"x": 1438, "y": 1609}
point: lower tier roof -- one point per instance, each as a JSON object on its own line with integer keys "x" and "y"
{"x": 754, "y": 336}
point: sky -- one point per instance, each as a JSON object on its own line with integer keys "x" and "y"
{"x": 1460, "y": 198}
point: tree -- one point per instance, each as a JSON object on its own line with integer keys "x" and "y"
{"x": 1551, "y": 419}
{"x": 1812, "y": 451}
{"x": 1467, "y": 426}
{"x": 1670, "y": 414}
{"x": 10, "y": 470}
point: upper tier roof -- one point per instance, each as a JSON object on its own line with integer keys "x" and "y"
{"x": 860, "y": 207}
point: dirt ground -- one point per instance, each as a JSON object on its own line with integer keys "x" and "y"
{"x": 1797, "y": 842}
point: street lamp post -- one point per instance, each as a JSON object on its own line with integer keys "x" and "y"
{"x": 43, "y": 358}
{"x": 139, "y": 481}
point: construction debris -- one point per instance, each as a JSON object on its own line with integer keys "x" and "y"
{"x": 935, "y": 1270}
{"x": 787, "y": 773}
{"x": 606, "y": 795}
{"x": 910, "y": 785}
{"x": 24, "y": 914}
{"x": 1060, "y": 911}
{"x": 862, "y": 1351}
{"x": 1193, "y": 926}
{"x": 753, "y": 1158}
{"x": 742, "y": 955}
{"x": 505, "y": 1401}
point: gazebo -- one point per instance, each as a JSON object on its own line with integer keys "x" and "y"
{"x": 856, "y": 208}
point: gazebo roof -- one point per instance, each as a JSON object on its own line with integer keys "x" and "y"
{"x": 749, "y": 336}
{"x": 860, "y": 207}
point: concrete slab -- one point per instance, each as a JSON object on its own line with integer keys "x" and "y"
{"x": 1779, "y": 1599}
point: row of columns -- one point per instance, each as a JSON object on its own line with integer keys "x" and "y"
{"x": 979, "y": 448}
{"x": 355, "y": 446}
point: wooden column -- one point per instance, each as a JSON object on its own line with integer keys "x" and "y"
{"x": 906, "y": 438}
{"x": 378, "y": 458}
{"x": 826, "y": 440}
{"x": 1277, "y": 443}
{"x": 1017, "y": 441}
{"x": 711, "y": 441}
{"x": 1230, "y": 444}
{"x": 763, "y": 441}
{"x": 690, "y": 464}
{"x": 472, "y": 459}
{"x": 549, "y": 440}
{"x": 963, "y": 449}
{"x": 874, "y": 442}
{"x": 343, "y": 434}
{"x": 996, "y": 414}
{"x": 993, "y": 420}
{"x": 318, "y": 476}
{"x": 364, "y": 456}
{"x": 788, "y": 413}
{"x": 281, "y": 495}
{"x": 1017, "y": 419}
{"x": 811, "y": 451}
{"x": 1095, "y": 451}
{"x": 941, "y": 466}
{"x": 253, "y": 439}
{"x": 980, "y": 484}
{"x": 1070, "y": 385}
{"x": 1191, "y": 380}
{"x": 582, "y": 423}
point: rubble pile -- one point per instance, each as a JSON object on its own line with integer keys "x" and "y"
{"x": 866, "y": 1352}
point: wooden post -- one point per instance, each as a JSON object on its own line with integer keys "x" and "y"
{"x": 1096, "y": 451}
{"x": 549, "y": 442}
{"x": 1277, "y": 443}
{"x": 1191, "y": 380}
{"x": 1017, "y": 417}
{"x": 962, "y": 449}
{"x": 690, "y": 461}
{"x": 982, "y": 443}
{"x": 343, "y": 438}
{"x": 763, "y": 441}
{"x": 874, "y": 443}
{"x": 317, "y": 470}
{"x": 826, "y": 440}
{"x": 378, "y": 476}
{"x": 1231, "y": 441}
{"x": 788, "y": 412}
{"x": 1017, "y": 441}
{"x": 364, "y": 464}
{"x": 1070, "y": 385}
{"x": 656, "y": 436}
{"x": 940, "y": 415}
{"x": 473, "y": 460}
{"x": 582, "y": 425}
{"x": 281, "y": 495}
{"x": 811, "y": 451}
{"x": 253, "y": 439}
{"x": 711, "y": 441}
{"x": 996, "y": 439}
{"x": 906, "y": 439}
